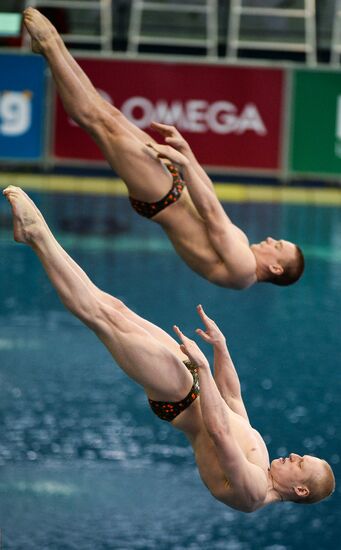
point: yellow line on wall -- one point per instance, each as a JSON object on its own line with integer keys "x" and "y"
{"x": 227, "y": 192}
{"x": 281, "y": 194}
{"x": 65, "y": 184}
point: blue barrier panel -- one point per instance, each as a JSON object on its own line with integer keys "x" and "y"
{"x": 22, "y": 97}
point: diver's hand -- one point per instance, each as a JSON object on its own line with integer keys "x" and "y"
{"x": 172, "y": 137}
{"x": 191, "y": 349}
{"x": 212, "y": 335}
{"x": 159, "y": 152}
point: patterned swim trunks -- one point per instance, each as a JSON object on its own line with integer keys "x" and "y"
{"x": 150, "y": 209}
{"x": 168, "y": 410}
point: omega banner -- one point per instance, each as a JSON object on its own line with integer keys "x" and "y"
{"x": 230, "y": 115}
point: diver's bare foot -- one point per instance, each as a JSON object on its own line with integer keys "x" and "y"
{"x": 27, "y": 220}
{"x": 42, "y": 32}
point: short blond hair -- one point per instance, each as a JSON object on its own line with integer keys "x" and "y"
{"x": 320, "y": 486}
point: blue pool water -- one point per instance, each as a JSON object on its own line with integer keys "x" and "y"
{"x": 84, "y": 464}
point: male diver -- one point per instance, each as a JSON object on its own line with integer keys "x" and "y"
{"x": 231, "y": 455}
{"x": 190, "y": 214}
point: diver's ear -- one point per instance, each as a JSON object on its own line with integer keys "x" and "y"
{"x": 301, "y": 490}
{"x": 276, "y": 269}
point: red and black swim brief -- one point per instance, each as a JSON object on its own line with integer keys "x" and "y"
{"x": 150, "y": 209}
{"x": 168, "y": 410}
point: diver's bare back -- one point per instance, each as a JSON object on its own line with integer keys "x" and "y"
{"x": 211, "y": 472}
{"x": 189, "y": 236}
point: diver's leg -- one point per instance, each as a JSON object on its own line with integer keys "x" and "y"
{"x": 111, "y": 109}
{"x": 140, "y": 354}
{"x": 146, "y": 178}
{"x": 88, "y": 86}
{"x": 156, "y": 331}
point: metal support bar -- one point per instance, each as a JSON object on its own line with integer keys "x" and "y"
{"x": 136, "y": 34}
{"x": 272, "y": 12}
{"x": 234, "y": 41}
{"x": 335, "y": 47}
{"x": 268, "y": 45}
{"x": 157, "y": 6}
{"x": 75, "y": 4}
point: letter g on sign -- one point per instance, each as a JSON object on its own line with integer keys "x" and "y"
{"x": 15, "y": 113}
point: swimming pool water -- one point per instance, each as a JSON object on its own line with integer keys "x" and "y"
{"x": 84, "y": 462}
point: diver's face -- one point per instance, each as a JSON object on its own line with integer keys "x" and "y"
{"x": 279, "y": 251}
{"x": 295, "y": 469}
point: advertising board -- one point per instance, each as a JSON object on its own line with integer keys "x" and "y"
{"x": 316, "y": 127}
{"x": 231, "y": 116}
{"x": 22, "y": 102}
